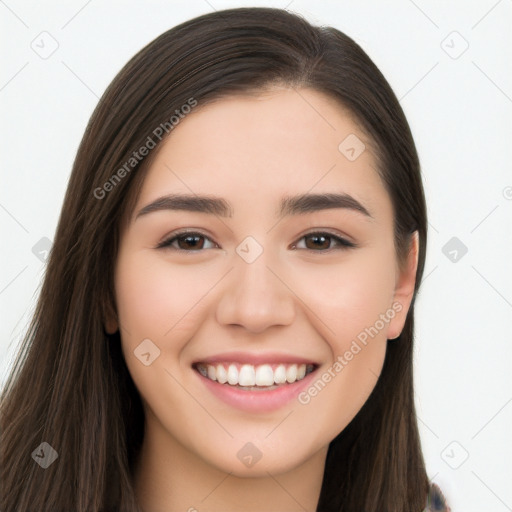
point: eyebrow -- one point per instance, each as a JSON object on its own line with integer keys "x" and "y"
{"x": 290, "y": 205}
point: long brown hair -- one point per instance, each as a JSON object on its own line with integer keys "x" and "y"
{"x": 70, "y": 386}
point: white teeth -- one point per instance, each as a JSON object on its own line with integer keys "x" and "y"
{"x": 264, "y": 375}
{"x": 232, "y": 375}
{"x": 280, "y": 374}
{"x": 249, "y": 375}
{"x": 291, "y": 373}
{"x": 222, "y": 375}
{"x": 211, "y": 373}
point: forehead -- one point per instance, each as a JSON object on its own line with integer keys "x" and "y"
{"x": 259, "y": 147}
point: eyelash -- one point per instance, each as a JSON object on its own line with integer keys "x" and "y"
{"x": 342, "y": 242}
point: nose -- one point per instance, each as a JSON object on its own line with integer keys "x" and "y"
{"x": 255, "y": 296}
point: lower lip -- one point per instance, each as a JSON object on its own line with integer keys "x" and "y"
{"x": 257, "y": 401}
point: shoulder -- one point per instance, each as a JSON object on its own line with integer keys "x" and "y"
{"x": 436, "y": 501}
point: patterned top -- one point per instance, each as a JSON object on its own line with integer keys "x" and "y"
{"x": 436, "y": 501}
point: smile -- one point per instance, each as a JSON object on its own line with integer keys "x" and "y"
{"x": 257, "y": 383}
{"x": 253, "y": 377}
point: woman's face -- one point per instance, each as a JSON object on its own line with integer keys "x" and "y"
{"x": 262, "y": 285}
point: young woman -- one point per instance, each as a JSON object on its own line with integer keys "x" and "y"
{"x": 226, "y": 321}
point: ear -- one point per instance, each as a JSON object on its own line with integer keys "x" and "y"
{"x": 110, "y": 322}
{"x": 404, "y": 289}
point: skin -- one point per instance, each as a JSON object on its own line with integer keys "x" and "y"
{"x": 252, "y": 151}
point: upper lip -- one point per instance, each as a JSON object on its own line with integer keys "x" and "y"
{"x": 255, "y": 359}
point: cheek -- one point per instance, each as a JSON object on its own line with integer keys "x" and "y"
{"x": 164, "y": 303}
{"x": 351, "y": 322}
{"x": 348, "y": 297}
{"x": 350, "y": 306}
{"x": 159, "y": 301}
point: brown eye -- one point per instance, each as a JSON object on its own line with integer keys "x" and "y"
{"x": 321, "y": 242}
{"x": 195, "y": 242}
{"x": 318, "y": 241}
{"x": 188, "y": 242}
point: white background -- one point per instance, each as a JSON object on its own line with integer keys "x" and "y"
{"x": 459, "y": 106}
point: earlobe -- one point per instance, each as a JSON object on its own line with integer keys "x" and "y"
{"x": 404, "y": 289}
{"x": 110, "y": 323}
{"x": 111, "y": 326}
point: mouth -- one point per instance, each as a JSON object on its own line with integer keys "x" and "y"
{"x": 249, "y": 377}
{"x": 255, "y": 383}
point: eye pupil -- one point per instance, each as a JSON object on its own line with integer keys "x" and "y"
{"x": 194, "y": 244}
{"x": 324, "y": 241}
